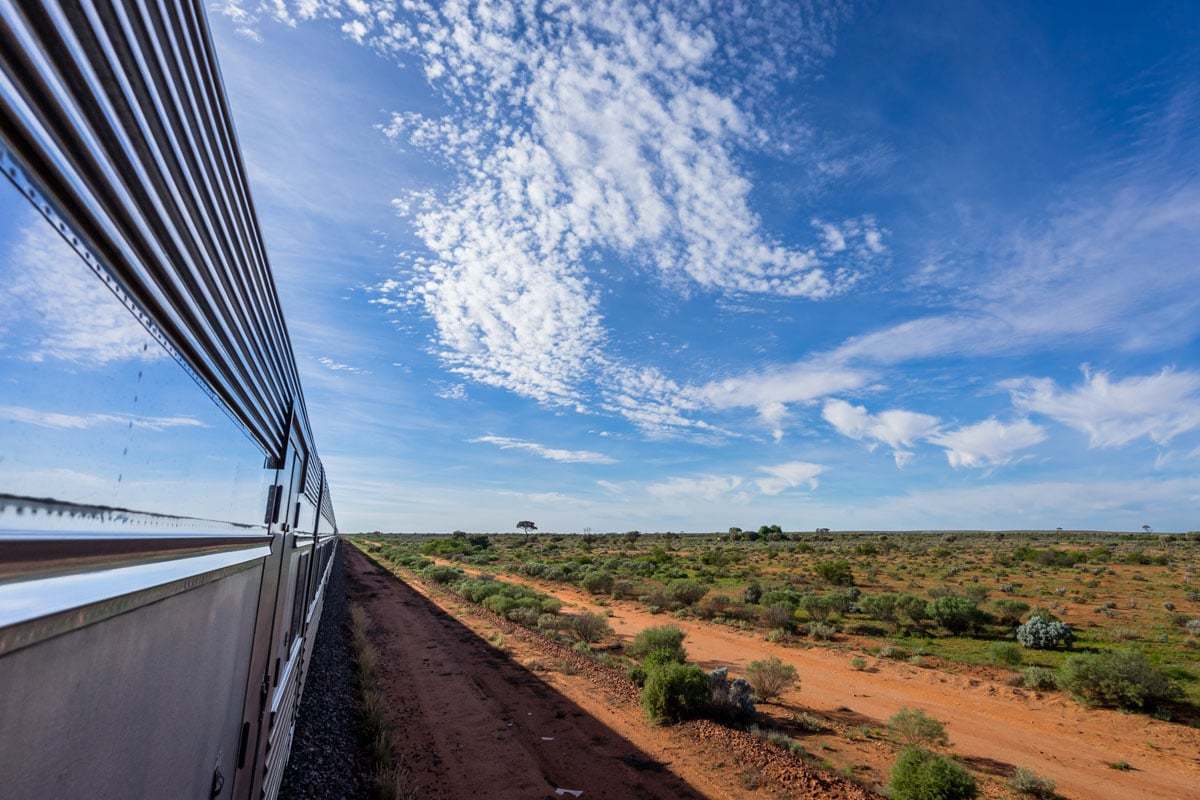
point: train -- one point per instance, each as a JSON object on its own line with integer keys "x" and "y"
{"x": 146, "y": 653}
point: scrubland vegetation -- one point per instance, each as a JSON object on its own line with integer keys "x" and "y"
{"x": 1108, "y": 620}
{"x": 1112, "y": 619}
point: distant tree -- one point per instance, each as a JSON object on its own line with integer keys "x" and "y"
{"x": 735, "y": 531}
{"x": 632, "y": 536}
{"x": 1146, "y": 528}
{"x": 822, "y": 530}
{"x": 526, "y": 526}
{"x": 588, "y": 540}
{"x": 459, "y": 534}
{"x": 1059, "y": 529}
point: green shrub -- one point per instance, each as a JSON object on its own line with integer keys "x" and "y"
{"x": 498, "y": 603}
{"x": 675, "y": 692}
{"x": 753, "y": 593}
{"x": 770, "y": 678}
{"x": 912, "y": 608}
{"x": 598, "y": 582}
{"x": 442, "y": 574}
{"x": 778, "y": 615}
{"x": 636, "y": 675}
{"x": 1040, "y": 678}
{"x": 821, "y": 631}
{"x": 1030, "y": 784}
{"x": 956, "y": 614}
{"x": 590, "y": 627}
{"x": 1009, "y": 612}
{"x": 817, "y": 606}
{"x": 1005, "y": 654}
{"x": 1117, "y": 678}
{"x": 879, "y": 606}
{"x": 686, "y": 591}
{"x": 664, "y": 637}
{"x": 661, "y": 657}
{"x": 921, "y": 775}
{"x": 912, "y": 727}
{"x": 836, "y": 572}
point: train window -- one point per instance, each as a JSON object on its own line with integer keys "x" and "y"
{"x": 96, "y": 418}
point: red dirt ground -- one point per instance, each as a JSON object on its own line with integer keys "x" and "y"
{"x": 995, "y": 726}
{"x": 475, "y": 721}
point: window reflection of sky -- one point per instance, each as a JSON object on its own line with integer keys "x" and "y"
{"x": 92, "y": 410}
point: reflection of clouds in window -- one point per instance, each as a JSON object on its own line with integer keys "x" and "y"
{"x": 54, "y": 419}
{"x": 56, "y": 308}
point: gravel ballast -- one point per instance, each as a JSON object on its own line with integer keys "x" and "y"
{"x": 328, "y": 761}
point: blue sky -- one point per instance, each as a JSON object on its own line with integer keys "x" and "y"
{"x": 686, "y": 267}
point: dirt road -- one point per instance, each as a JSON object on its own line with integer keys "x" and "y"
{"x": 473, "y": 723}
{"x": 995, "y": 726}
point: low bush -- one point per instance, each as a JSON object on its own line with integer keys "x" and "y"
{"x": 1043, "y": 632}
{"x": 821, "y": 631}
{"x": 686, "y": 591}
{"x": 753, "y": 593}
{"x": 590, "y": 627}
{"x": 912, "y": 727}
{"x": 770, "y": 678}
{"x": 1005, "y": 654}
{"x": 1040, "y": 678}
{"x": 921, "y": 775}
{"x": 1117, "y": 678}
{"x": 598, "y": 582}
{"x": 1029, "y": 783}
{"x": 912, "y": 608}
{"x": 836, "y": 572}
{"x": 778, "y": 615}
{"x": 879, "y": 606}
{"x": 664, "y": 637}
{"x": 956, "y": 614}
{"x": 674, "y": 692}
{"x": 1009, "y": 612}
{"x": 442, "y": 574}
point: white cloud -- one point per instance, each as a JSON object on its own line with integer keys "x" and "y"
{"x": 1119, "y": 269}
{"x": 769, "y": 391}
{"x": 624, "y": 139}
{"x": 337, "y": 366}
{"x": 1159, "y": 406}
{"x": 55, "y": 307}
{"x": 708, "y": 488}
{"x": 52, "y": 419}
{"x": 457, "y": 391}
{"x": 988, "y": 443}
{"x": 551, "y": 453}
{"x": 896, "y": 428}
{"x": 788, "y": 476}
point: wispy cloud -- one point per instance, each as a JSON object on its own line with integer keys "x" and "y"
{"x": 1159, "y": 406}
{"x": 54, "y": 306}
{"x": 455, "y": 391}
{"x": 781, "y": 477}
{"x": 337, "y": 366}
{"x": 551, "y": 453}
{"x": 625, "y": 139}
{"x": 989, "y": 443}
{"x": 52, "y": 419}
{"x": 695, "y": 487}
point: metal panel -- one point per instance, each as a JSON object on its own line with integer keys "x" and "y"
{"x": 144, "y": 704}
